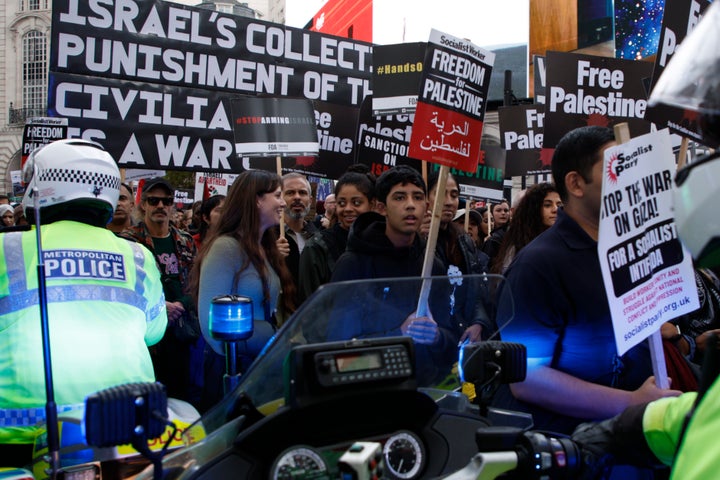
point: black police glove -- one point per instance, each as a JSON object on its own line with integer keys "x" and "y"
{"x": 619, "y": 440}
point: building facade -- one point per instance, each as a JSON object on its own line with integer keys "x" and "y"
{"x": 268, "y": 10}
{"x": 24, "y": 54}
{"x": 24, "y": 50}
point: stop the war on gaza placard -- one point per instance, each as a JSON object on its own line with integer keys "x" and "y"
{"x": 679, "y": 18}
{"x": 648, "y": 274}
{"x": 589, "y": 90}
{"x": 153, "y": 81}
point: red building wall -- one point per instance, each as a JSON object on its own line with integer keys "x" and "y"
{"x": 345, "y": 18}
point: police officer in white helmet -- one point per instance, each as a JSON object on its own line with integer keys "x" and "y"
{"x": 105, "y": 300}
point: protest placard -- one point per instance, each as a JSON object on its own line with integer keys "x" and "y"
{"x": 210, "y": 184}
{"x": 451, "y": 104}
{"x": 679, "y": 19}
{"x": 397, "y": 72}
{"x": 448, "y": 121}
{"x": 39, "y": 131}
{"x": 521, "y": 134}
{"x": 589, "y": 90}
{"x": 384, "y": 140}
{"x": 274, "y": 126}
{"x": 648, "y": 274}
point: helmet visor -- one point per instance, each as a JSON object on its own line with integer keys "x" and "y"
{"x": 692, "y": 77}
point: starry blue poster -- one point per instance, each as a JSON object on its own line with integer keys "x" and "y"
{"x": 637, "y": 28}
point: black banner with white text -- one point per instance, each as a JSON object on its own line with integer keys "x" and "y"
{"x": 152, "y": 80}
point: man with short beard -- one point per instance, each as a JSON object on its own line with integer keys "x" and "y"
{"x": 296, "y": 192}
{"x": 122, "y": 217}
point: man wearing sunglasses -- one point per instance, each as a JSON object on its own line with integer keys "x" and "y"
{"x": 174, "y": 251}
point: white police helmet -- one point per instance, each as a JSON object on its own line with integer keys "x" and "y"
{"x": 71, "y": 172}
{"x": 695, "y": 196}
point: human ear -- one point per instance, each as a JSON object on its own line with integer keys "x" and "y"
{"x": 574, "y": 184}
{"x": 381, "y": 208}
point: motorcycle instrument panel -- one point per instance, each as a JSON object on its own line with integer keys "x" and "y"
{"x": 300, "y": 462}
{"x": 403, "y": 458}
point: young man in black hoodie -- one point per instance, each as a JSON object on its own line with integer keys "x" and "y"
{"x": 387, "y": 245}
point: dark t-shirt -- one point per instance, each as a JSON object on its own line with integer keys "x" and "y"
{"x": 169, "y": 267}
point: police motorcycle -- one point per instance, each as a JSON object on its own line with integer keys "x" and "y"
{"x": 337, "y": 392}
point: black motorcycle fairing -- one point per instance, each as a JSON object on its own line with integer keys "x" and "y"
{"x": 337, "y": 424}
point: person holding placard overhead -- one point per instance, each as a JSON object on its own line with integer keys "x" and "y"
{"x": 681, "y": 431}
{"x": 561, "y": 310}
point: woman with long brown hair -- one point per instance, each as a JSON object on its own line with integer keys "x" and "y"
{"x": 535, "y": 213}
{"x": 241, "y": 256}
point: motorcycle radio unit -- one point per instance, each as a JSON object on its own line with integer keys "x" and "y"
{"x": 321, "y": 371}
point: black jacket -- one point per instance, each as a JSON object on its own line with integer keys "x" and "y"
{"x": 318, "y": 258}
{"x": 491, "y": 247}
{"x": 473, "y": 302}
{"x": 370, "y": 254}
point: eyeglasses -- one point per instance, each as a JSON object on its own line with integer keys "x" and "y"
{"x": 154, "y": 201}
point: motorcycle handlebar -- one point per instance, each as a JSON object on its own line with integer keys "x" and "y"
{"x": 521, "y": 455}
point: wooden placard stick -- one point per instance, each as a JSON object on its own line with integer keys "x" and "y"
{"x": 490, "y": 217}
{"x": 278, "y": 166}
{"x": 682, "y": 154}
{"x": 468, "y": 206}
{"x": 422, "y": 307}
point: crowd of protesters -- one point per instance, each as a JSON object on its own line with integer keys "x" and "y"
{"x": 262, "y": 241}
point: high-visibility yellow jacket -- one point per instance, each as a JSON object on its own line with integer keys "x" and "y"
{"x": 105, "y": 307}
{"x": 662, "y": 425}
